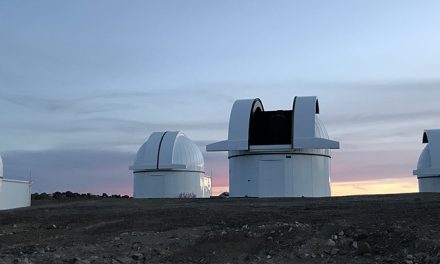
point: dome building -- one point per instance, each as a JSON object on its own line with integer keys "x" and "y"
{"x": 428, "y": 167}
{"x": 170, "y": 165}
{"x": 13, "y": 193}
{"x": 283, "y": 153}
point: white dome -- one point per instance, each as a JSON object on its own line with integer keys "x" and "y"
{"x": 424, "y": 159}
{"x": 170, "y": 150}
{"x": 320, "y": 130}
{"x": 429, "y": 160}
{"x": 250, "y": 126}
{"x": 186, "y": 152}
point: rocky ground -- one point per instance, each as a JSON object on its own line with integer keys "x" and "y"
{"x": 364, "y": 229}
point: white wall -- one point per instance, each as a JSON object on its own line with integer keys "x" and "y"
{"x": 170, "y": 184}
{"x": 277, "y": 175}
{"x": 429, "y": 184}
{"x": 14, "y": 194}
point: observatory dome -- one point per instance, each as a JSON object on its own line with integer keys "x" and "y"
{"x": 281, "y": 153}
{"x": 169, "y": 150}
{"x": 428, "y": 166}
{"x": 169, "y": 165}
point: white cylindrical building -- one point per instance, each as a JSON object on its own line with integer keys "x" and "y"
{"x": 170, "y": 165}
{"x": 277, "y": 153}
{"x": 13, "y": 193}
{"x": 428, "y": 166}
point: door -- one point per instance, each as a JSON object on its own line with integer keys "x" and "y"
{"x": 271, "y": 178}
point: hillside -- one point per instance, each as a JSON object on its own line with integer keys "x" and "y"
{"x": 364, "y": 229}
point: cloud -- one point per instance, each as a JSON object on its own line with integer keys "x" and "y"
{"x": 378, "y": 140}
{"x": 75, "y": 170}
{"x": 87, "y": 170}
{"x": 36, "y": 103}
{"x": 372, "y": 165}
{"x": 381, "y": 117}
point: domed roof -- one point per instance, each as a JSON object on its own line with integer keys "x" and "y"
{"x": 424, "y": 159}
{"x": 320, "y": 130}
{"x": 250, "y": 126}
{"x": 429, "y": 160}
{"x": 170, "y": 150}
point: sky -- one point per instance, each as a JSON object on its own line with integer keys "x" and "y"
{"x": 84, "y": 83}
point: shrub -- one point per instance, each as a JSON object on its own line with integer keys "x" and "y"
{"x": 187, "y": 195}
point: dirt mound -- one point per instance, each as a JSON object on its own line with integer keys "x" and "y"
{"x": 364, "y": 229}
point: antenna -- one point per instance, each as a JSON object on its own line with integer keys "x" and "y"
{"x": 30, "y": 175}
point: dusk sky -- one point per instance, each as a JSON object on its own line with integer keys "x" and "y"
{"x": 84, "y": 83}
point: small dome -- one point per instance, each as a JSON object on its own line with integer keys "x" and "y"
{"x": 170, "y": 150}
{"x": 429, "y": 160}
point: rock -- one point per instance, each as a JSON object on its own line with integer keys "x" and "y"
{"x": 224, "y": 233}
{"x": 290, "y": 229}
{"x": 334, "y": 251}
{"x": 137, "y": 256}
{"x": 23, "y": 261}
{"x": 268, "y": 256}
{"x": 124, "y": 260}
{"x": 331, "y": 243}
{"x": 361, "y": 234}
{"x": 156, "y": 251}
{"x": 50, "y": 249}
{"x": 334, "y": 237}
{"x": 341, "y": 233}
{"x": 421, "y": 256}
{"x": 51, "y": 227}
{"x": 355, "y": 245}
{"x": 79, "y": 261}
{"x": 245, "y": 227}
{"x": 389, "y": 259}
{"x": 432, "y": 260}
{"x": 249, "y": 235}
{"x": 364, "y": 248}
{"x": 346, "y": 243}
{"x": 136, "y": 245}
